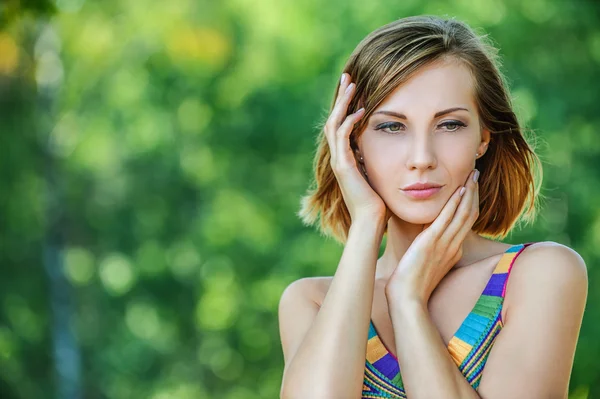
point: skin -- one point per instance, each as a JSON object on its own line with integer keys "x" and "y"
{"x": 430, "y": 240}
{"x": 422, "y": 148}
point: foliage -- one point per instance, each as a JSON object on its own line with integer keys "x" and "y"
{"x": 152, "y": 156}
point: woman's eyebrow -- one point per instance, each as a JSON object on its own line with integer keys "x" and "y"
{"x": 437, "y": 115}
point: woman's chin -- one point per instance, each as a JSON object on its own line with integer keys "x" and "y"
{"x": 417, "y": 214}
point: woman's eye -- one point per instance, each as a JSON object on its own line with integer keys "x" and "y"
{"x": 453, "y": 126}
{"x": 394, "y": 127}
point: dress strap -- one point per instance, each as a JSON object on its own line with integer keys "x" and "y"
{"x": 503, "y": 269}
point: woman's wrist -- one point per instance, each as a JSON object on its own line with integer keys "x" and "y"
{"x": 369, "y": 223}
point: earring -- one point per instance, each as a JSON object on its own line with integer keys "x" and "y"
{"x": 363, "y": 166}
{"x": 477, "y": 154}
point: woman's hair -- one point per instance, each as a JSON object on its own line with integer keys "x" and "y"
{"x": 388, "y": 57}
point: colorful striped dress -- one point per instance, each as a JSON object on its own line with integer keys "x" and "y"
{"x": 469, "y": 347}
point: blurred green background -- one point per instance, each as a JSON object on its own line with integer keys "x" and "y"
{"x": 152, "y": 157}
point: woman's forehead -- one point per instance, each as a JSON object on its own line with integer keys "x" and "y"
{"x": 434, "y": 88}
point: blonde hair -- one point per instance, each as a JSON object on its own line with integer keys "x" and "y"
{"x": 389, "y": 56}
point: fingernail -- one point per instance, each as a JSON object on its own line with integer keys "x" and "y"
{"x": 476, "y": 175}
{"x": 349, "y": 87}
{"x": 360, "y": 111}
{"x": 343, "y": 78}
{"x": 461, "y": 192}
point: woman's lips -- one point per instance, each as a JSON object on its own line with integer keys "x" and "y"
{"x": 422, "y": 194}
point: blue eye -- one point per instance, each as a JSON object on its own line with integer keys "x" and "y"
{"x": 451, "y": 126}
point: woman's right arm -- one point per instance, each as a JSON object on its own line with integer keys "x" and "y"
{"x": 325, "y": 349}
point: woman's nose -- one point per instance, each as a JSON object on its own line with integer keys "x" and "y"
{"x": 421, "y": 155}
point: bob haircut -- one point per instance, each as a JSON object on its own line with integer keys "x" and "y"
{"x": 388, "y": 57}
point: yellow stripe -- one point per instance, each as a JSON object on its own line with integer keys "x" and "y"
{"x": 459, "y": 350}
{"x": 504, "y": 264}
{"x": 375, "y": 349}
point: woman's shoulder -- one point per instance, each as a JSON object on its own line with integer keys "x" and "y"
{"x": 551, "y": 258}
{"x": 312, "y": 287}
{"x": 535, "y": 255}
{"x": 544, "y": 269}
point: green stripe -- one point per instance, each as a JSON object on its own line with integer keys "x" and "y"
{"x": 487, "y": 305}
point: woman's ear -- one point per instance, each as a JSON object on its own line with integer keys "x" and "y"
{"x": 360, "y": 162}
{"x": 485, "y": 141}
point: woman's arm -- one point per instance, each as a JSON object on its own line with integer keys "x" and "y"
{"x": 532, "y": 355}
{"x": 427, "y": 368}
{"x": 325, "y": 356}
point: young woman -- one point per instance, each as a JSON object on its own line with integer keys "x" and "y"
{"x": 422, "y": 144}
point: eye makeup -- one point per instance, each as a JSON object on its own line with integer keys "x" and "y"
{"x": 450, "y": 125}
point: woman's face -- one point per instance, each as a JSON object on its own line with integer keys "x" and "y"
{"x": 426, "y": 131}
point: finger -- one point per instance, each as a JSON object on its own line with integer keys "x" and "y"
{"x": 333, "y": 121}
{"x": 330, "y": 127}
{"x": 340, "y": 110}
{"x": 344, "y": 152}
{"x": 462, "y": 221}
{"x": 344, "y": 82}
{"x": 467, "y": 226}
{"x": 476, "y": 205}
{"x": 440, "y": 224}
{"x": 335, "y": 118}
{"x": 329, "y": 135}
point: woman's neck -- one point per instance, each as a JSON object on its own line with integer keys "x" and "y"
{"x": 400, "y": 237}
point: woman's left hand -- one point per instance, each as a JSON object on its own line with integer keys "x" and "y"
{"x": 436, "y": 249}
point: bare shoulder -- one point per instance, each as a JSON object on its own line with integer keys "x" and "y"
{"x": 554, "y": 259}
{"x": 309, "y": 288}
{"x": 546, "y": 268}
{"x": 298, "y": 306}
{"x": 533, "y": 354}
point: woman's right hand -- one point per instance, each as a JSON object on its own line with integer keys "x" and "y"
{"x": 361, "y": 200}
